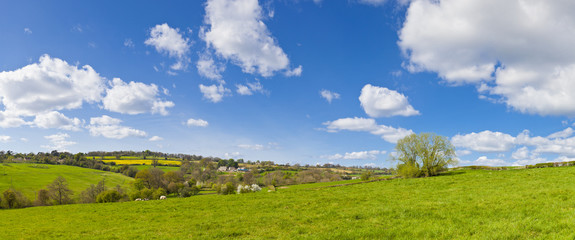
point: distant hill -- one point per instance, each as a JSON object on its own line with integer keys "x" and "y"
{"x": 29, "y": 178}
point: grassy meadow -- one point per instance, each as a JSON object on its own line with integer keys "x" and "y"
{"x": 462, "y": 204}
{"x": 29, "y": 178}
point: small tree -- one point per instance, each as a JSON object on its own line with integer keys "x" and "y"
{"x": 43, "y": 198}
{"x": 59, "y": 191}
{"x": 425, "y": 155}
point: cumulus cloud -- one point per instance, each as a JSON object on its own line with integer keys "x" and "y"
{"x": 42, "y": 89}
{"x": 169, "y": 41}
{"x": 233, "y": 155}
{"x": 484, "y": 161}
{"x": 486, "y": 141}
{"x": 197, "y": 122}
{"x": 51, "y": 84}
{"x": 362, "y": 155}
{"x": 58, "y": 142}
{"x": 55, "y": 119}
{"x": 382, "y": 102}
{"x": 389, "y": 134}
{"x": 250, "y": 88}
{"x": 329, "y": 95}
{"x": 208, "y": 68}
{"x": 214, "y": 93}
{"x": 516, "y": 48}
{"x": 4, "y": 138}
{"x": 529, "y": 149}
{"x": 109, "y": 127}
{"x": 155, "y": 138}
{"x": 236, "y": 32}
{"x": 8, "y": 120}
{"x": 134, "y": 98}
{"x": 521, "y": 153}
{"x": 567, "y": 132}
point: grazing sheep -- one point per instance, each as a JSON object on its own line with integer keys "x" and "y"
{"x": 138, "y": 199}
{"x": 162, "y": 197}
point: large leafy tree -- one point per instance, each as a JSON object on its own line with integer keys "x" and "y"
{"x": 426, "y": 154}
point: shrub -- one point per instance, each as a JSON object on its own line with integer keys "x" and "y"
{"x": 43, "y": 198}
{"x": 14, "y": 199}
{"x": 158, "y": 192}
{"x": 108, "y": 196}
{"x": 408, "y": 170}
{"x": 366, "y": 175}
{"x": 248, "y": 188}
{"x": 146, "y": 193}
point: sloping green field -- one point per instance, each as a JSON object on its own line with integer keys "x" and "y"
{"x": 465, "y": 204}
{"x": 29, "y": 178}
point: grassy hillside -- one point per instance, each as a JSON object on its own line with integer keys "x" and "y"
{"x": 464, "y": 204}
{"x": 29, "y": 178}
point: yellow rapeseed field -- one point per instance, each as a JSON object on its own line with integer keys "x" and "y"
{"x": 142, "y": 161}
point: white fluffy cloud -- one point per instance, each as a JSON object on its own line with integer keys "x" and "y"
{"x": 4, "y": 138}
{"x": 197, "y": 122}
{"x": 109, "y": 127}
{"x": 565, "y": 133}
{"x": 214, "y": 93}
{"x": 515, "y": 48}
{"x": 388, "y": 133}
{"x": 521, "y": 153}
{"x": 59, "y": 142}
{"x": 134, "y": 98}
{"x": 51, "y": 84}
{"x": 362, "y": 155}
{"x": 382, "y": 102}
{"x": 57, "y": 120}
{"x": 484, "y": 161}
{"x": 329, "y": 95}
{"x": 155, "y": 138}
{"x": 208, "y": 68}
{"x": 169, "y": 41}
{"x": 250, "y": 88}
{"x": 42, "y": 89}
{"x": 486, "y": 141}
{"x": 235, "y": 31}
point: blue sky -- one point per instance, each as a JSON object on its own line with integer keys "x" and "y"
{"x": 290, "y": 81}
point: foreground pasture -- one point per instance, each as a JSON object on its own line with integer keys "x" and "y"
{"x": 464, "y": 204}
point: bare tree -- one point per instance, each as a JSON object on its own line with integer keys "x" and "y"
{"x": 59, "y": 190}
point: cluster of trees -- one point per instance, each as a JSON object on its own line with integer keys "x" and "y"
{"x": 56, "y": 193}
{"x": 230, "y": 163}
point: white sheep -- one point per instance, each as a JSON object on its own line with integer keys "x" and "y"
{"x": 162, "y": 197}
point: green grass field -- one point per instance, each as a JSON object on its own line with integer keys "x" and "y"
{"x": 464, "y": 204}
{"x": 29, "y": 178}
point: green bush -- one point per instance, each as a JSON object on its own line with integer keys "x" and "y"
{"x": 366, "y": 175}
{"x": 146, "y": 193}
{"x": 108, "y": 196}
{"x": 159, "y": 192}
{"x": 408, "y": 170}
{"x": 14, "y": 199}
